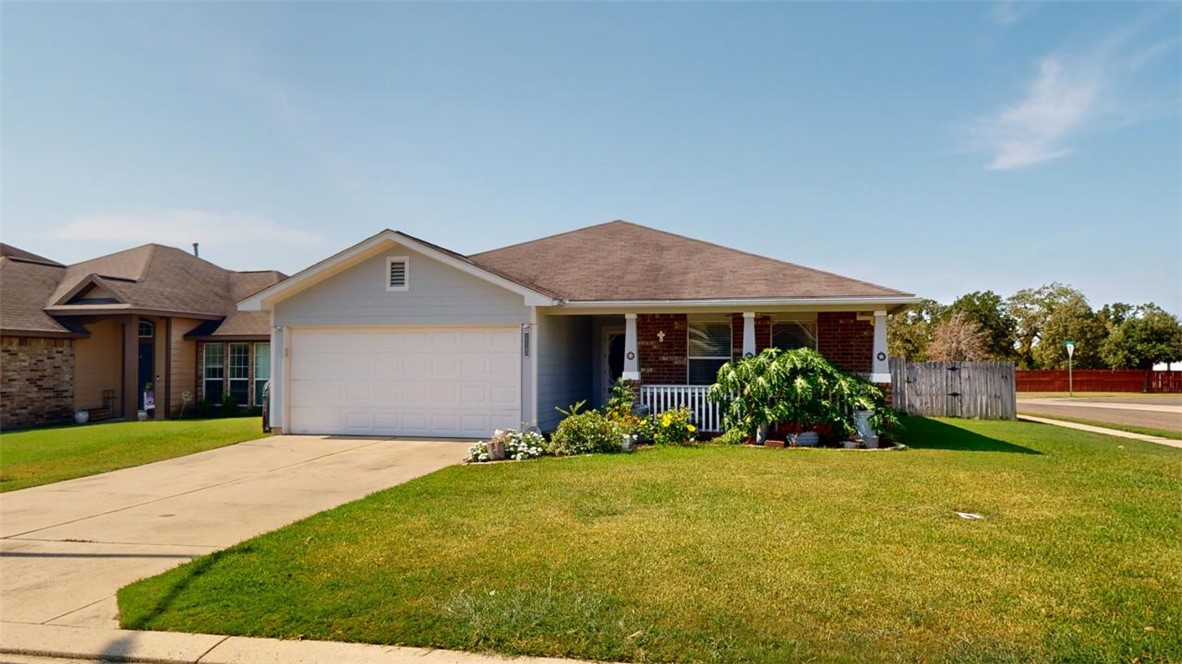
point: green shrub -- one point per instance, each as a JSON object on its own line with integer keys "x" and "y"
{"x": 732, "y": 437}
{"x": 797, "y": 387}
{"x": 585, "y": 433}
{"x": 622, "y": 397}
{"x": 229, "y": 406}
{"x": 204, "y": 409}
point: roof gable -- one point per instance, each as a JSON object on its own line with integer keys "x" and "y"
{"x": 374, "y": 246}
{"x": 622, "y": 261}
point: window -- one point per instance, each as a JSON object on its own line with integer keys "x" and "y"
{"x": 789, "y": 334}
{"x": 397, "y": 273}
{"x": 262, "y": 370}
{"x": 214, "y": 372}
{"x": 240, "y": 373}
{"x": 147, "y": 329}
{"x": 709, "y": 348}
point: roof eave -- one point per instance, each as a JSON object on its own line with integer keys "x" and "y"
{"x": 125, "y": 309}
{"x": 42, "y": 334}
{"x": 889, "y": 303}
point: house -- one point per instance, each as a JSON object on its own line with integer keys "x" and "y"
{"x": 397, "y": 336}
{"x": 93, "y": 335}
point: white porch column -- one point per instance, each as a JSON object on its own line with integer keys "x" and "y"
{"x": 748, "y": 334}
{"x": 631, "y": 359}
{"x": 881, "y": 368}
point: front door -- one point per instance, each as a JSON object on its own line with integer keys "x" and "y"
{"x": 147, "y": 368}
{"x": 613, "y": 360}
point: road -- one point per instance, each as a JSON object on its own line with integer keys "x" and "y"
{"x": 1163, "y": 412}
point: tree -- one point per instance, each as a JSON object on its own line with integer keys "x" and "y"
{"x": 1072, "y": 320}
{"x": 1112, "y": 315}
{"x": 1147, "y": 335}
{"x": 958, "y": 339}
{"x": 1046, "y": 317}
{"x": 910, "y": 330}
{"x": 987, "y": 309}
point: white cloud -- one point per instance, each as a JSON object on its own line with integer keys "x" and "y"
{"x": 1070, "y": 96}
{"x": 1057, "y": 104}
{"x": 236, "y": 240}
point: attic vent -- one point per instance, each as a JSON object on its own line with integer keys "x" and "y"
{"x": 397, "y": 273}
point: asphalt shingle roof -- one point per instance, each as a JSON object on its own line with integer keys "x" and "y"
{"x": 622, "y": 261}
{"x": 151, "y": 277}
{"x": 25, "y": 286}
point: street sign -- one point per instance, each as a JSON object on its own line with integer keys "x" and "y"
{"x": 1070, "y": 347}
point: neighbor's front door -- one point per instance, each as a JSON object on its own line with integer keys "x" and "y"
{"x": 147, "y": 368}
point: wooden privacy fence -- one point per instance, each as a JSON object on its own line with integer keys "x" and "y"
{"x": 983, "y": 390}
{"x": 1100, "y": 380}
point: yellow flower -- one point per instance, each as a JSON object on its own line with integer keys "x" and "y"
{"x": 691, "y": 428}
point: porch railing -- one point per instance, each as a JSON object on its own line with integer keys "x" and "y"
{"x": 660, "y": 398}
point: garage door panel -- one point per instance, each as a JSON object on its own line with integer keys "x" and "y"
{"x": 504, "y": 341}
{"x": 504, "y": 396}
{"x": 447, "y": 382}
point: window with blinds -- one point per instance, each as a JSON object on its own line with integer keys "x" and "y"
{"x": 709, "y": 347}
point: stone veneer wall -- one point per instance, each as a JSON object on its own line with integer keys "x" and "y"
{"x": 36, "y": 381}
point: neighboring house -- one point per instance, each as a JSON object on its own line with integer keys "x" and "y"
{"x": 397, "y": 336}
{"x": 92, "y": 335}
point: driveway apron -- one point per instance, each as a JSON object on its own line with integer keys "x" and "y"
{"x": 66, "y": 548}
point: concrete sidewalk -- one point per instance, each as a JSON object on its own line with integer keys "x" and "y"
{"x": 1107, "y": 432}
{"x": 51, "y": 644}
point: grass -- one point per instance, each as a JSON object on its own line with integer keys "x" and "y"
{"x": 732, "y": 554}
{"x": 41, "y": 456}
{"x": 1148, "y": 431}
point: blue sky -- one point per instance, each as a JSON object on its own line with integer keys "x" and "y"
{"x": 937, "y": 148}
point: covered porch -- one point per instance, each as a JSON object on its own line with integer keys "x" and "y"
{"x": 673, "y": 357}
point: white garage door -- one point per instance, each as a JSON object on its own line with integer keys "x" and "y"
{"x": 443, "y": 382}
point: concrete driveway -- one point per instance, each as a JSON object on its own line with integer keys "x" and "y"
{"x": 66, "y": 548}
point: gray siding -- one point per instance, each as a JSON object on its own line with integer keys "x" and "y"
{"x": 438, "y": 295}
{"x": 564, "y": 365}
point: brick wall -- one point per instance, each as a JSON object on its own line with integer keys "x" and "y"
{"x": 36, "y": 381}
{"x": 843, "y": 339}
{"x": 763, "y": 334}
{"x": 846, "y": 341}
{"x": 661, "y": 362}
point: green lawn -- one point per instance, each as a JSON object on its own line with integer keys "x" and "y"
{"x": 733, "y": 554}
{"x": 41, "y": 456}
